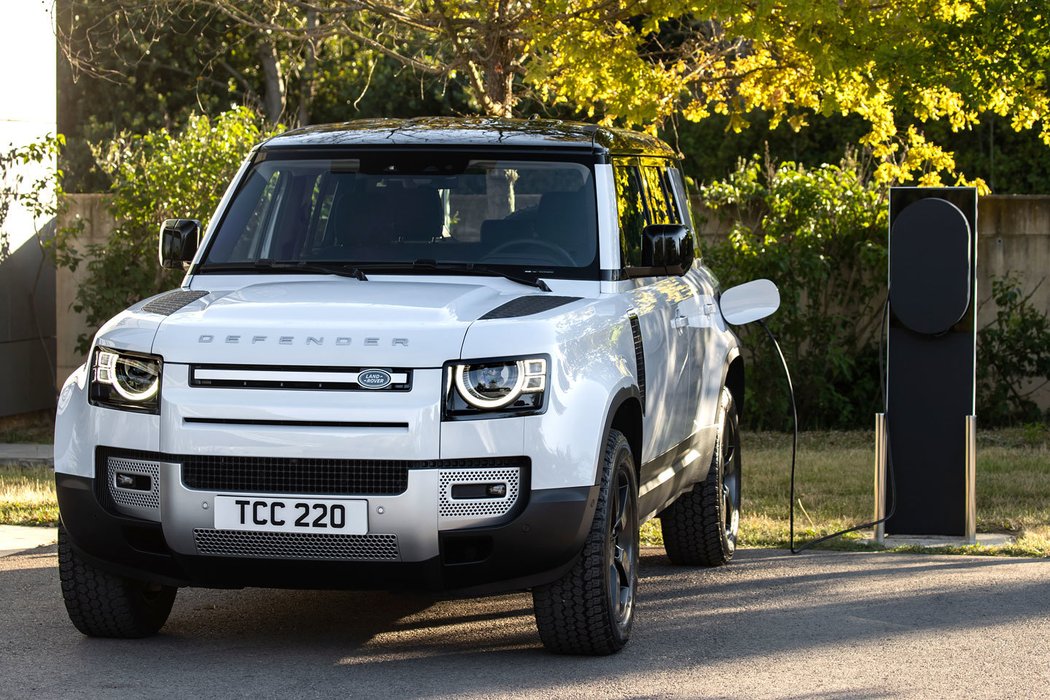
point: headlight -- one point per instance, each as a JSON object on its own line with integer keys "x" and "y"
{"x": 126, "y": 380}
{"x": 503, "y": 386}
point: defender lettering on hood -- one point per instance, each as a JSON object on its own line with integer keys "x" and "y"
{"x": 341, "y": 341}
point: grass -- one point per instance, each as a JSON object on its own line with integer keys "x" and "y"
{"x": 36, "y": 428}
{"x": 27, "y": 496}
{"x": 834, "y": 490}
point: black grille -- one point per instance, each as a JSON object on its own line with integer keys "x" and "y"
{"x": 169, "y": 303}
{"x": 315, "y": 476}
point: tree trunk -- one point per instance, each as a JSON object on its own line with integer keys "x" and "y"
{"x": 309, "y": 69}
{"x": 273, "y": 91}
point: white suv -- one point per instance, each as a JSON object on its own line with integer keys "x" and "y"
{"x": 459, "y": 355}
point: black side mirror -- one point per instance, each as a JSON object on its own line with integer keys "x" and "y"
{"x": 179, "y": 239}
{"x": 667, "y": 246}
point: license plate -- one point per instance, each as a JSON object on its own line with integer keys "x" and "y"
{"x": 317, "y": 515}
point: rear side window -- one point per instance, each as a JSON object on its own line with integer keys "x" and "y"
{"x": 644, "y": 195}
{"x": 662, "y": 206}
{"x": 631, "y": 210}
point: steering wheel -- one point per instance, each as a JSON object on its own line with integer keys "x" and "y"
{"x": 563, "y": 256}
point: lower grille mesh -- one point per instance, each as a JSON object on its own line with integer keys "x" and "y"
{"x": 296, "y": 545}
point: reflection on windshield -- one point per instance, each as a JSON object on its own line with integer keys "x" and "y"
{"x": 531, "y": 215}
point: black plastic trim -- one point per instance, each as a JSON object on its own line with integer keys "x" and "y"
{"x": 639, "y": 355}
{"x": 294, "y": 423}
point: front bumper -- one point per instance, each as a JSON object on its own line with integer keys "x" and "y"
{"x": 172, "y": 540}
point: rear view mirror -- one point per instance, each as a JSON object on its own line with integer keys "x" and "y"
{"x": 749, "y": 302}
{"x": 667, "y": 246}
{"x": 178, "y": 241}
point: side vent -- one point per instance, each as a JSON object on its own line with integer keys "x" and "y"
{"x": 639, "y": 354}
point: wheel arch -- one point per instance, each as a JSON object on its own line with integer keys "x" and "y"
{"x": 733, "y": 379}
{"x": 625, "y": 415}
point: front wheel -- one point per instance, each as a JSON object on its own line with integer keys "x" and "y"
{"x": 590, "y": 610}
{"x": 101, "y": 604}
{"x": 700, "y": 528}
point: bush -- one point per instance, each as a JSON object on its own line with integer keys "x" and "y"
{"x": 820, "y": 235}
{"x": 156, "y": 176}
{"x": 1013, "y": 358}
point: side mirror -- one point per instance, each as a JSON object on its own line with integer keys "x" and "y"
{"x": 667, "y": 246}
{"x": 749, "y": 302}
{"x": 179, "y": 239}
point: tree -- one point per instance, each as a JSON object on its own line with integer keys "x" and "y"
{"x": 156, "y": 176}
{"x": 897, "y": 64}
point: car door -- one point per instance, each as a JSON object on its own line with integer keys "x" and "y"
{"x": 661, "y": 305}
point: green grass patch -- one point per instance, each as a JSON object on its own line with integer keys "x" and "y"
{"x": 27, "y": 496}
{"x": 834, "y": 490}
{"x": 36, "y": 428}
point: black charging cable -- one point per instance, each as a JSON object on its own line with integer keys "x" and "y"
{"x": 794, "y": 445}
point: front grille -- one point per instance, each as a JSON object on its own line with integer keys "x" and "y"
{"x": 348, "y": 477}
{"x": 296, "y": 545}
{"x": 306, "y": 476}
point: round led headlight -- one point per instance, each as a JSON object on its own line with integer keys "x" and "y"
{"x": 135, "y": 379}
{"x": 491, "y": 385}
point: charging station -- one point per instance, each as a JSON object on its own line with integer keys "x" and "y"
{"x": 928, "y": 430}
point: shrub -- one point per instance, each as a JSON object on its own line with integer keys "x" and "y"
{"x": 156, "y": 176}
{"x": 820, "y": 235}
{"x": 1013, "y": 357}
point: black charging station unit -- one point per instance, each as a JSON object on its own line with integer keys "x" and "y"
{"x": 930, "y": 374}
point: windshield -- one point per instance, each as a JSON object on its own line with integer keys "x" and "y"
{"x": 412, "y": 212}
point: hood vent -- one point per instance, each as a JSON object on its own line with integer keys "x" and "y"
{"x": 528, "y": 305}
{"x": 167, "y": 304}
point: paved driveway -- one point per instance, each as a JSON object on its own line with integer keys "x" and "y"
{"x": 825, "y": 625}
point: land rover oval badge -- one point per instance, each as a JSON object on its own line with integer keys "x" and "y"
{"x": 373, "y": 379}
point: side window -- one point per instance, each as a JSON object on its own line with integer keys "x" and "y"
{"x": 630, "y": 205}
{"x": 662, "y": 205}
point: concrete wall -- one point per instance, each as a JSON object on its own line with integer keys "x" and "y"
{"x": 27, "y": 330}
{"x": 27, "y": 306}
{"x": 1013, "y": 237}
{"x": 91, "y": 212}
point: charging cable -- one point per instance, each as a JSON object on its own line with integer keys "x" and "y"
{"x": 794, "y": 446}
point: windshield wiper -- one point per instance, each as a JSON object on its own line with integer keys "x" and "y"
{"x": 266, "y": 265}
{"x": 459, "y": 268}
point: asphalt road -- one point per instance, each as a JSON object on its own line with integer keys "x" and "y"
{"x": 771, "y": 625}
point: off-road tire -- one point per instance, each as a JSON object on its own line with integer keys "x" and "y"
{"x": 700, "y": 527}
{"x": 590, "y": 610}
{"x": 101, "y": 604}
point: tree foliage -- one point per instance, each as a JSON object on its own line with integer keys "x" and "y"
{"x": 819, "y": 234}
{"x": 896, "y": 65}
{"x": 29, "y": 180}
{"x": 157, "y": 176}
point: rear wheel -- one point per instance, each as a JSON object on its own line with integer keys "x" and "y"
{"x": 590, "y": 610}
{"x": 101, "y": 604}
{"x": 700, "y": 528}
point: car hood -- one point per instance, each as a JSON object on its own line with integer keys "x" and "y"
{"x": 326, "y": 323}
